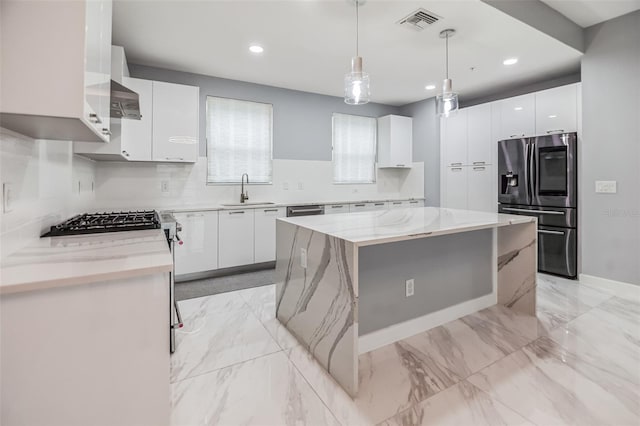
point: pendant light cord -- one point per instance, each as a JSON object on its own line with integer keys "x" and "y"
{"x": 357, "y": 27}
{"x": 447, "y": 55}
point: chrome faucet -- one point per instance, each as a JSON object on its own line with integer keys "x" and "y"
{"x": 244, "y": 196}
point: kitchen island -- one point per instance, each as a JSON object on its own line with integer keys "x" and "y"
{"x": 350, "y": 283}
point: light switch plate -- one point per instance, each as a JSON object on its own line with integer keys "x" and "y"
{"x": 7, "y": 197}
{"x": 606, "y": 186}
{"x": 164, "y": 186}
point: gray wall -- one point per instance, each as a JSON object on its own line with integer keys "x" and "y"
{"x": 447, "y": 270}
{"x": 611, "y": 149}
{"x": 301, "y": 120}
{"x": 426, "y": 145}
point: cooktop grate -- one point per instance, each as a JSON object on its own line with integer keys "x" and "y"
{"x": 93, "y": 223}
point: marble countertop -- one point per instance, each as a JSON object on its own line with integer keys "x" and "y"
{"x": 213, "y": 207}
{"x": 82, "y": 259}
{"x": 383, "y": 226}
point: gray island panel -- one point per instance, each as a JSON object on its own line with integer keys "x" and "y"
{"x": 446, "y": 270}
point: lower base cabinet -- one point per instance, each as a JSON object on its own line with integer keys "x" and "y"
{"x": 199, "y": 249}
{"x": 265, "y": 233}
{"x": 229, "y": 238}
{"x": 236, "y": 238}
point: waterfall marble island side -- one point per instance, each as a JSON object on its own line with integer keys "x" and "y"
{"x": 341, "y": 279}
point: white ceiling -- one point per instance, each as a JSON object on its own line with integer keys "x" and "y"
{"x": 590, "y": 12}
{"x": 308, "y": 44}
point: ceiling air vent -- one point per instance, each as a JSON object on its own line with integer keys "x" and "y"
{"x": 419, "y": 19}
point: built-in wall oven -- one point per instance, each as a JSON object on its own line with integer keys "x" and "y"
{"x": 538, "y": 177}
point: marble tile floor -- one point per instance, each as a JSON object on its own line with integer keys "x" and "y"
{"x": 577, "y": 363}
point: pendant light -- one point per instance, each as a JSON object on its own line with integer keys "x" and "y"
{"x": 447, "y": 102}
{"x": 356, "y": 83}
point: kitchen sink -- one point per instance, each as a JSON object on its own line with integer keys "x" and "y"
{"x": 253, "y": 203}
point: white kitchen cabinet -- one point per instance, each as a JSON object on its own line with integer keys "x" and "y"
{"x": 136, "y": 135}
{"x": 265, "y": 233}
{"x": 56, "y": 69}
{"x": 199, "y": 251}
{"x": 455, "y": 187}
{"x": 131, "y": 139}
{"x": 517, "y": 117}
{"x": 336, "y": 208}
{"x": 175, "y": 122}
{"x": 416, "y": 203}
{"x": 454, "y": 139}
{"x": 85, "y": 354}
{"x": 395, "y": 141}
{"x": 557, "y": 110}
{"x": 236, "y": 238}
{"x": 480, "y": 189}
{"x": 479, "y": 142}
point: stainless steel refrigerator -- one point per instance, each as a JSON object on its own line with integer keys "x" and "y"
{"x": 538, "y": 176}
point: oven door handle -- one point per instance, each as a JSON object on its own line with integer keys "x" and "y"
{"x": 293, "y": 211}
{"x": 178, "y": 324}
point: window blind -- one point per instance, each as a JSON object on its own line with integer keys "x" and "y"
{"x": 239, "y": 140}
{"x": 354, "y": 149}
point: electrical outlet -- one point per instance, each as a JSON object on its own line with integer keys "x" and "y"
{"x": 409, "y": 287}
{"x": 285, "y": 186}
{"x": 303, "y": 258}
{"x": 7, "y": 197}
{"x": 300, "y": 185}
{"x": 164, "y": 186}
{"x": 606, "y": 186}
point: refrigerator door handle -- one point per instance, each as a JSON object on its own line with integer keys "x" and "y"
{"x": 532, "y": 172}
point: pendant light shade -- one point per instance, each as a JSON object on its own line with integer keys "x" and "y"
{"x": 356, "y": 83}
{"x": 447, "y": 102}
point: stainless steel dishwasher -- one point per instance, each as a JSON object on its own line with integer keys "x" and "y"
{"x": 312, "y": 210}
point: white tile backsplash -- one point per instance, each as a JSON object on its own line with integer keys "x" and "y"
{"x": 139, "y": 185}
{"x": 49, "y": 184}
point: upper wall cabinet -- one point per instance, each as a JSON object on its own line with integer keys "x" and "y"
{"x": 517, "y": 117}
{"x": 56, "y": 69}
{"x": 466, "y": 137}
{"x": 166, "y": 132}
{"x": 395, "y": 141}
{"x": 556, "y": 110}
{"x": 175, "y": 122}
{"x": 453, "y": 135}
{"x": 131, "y": 139}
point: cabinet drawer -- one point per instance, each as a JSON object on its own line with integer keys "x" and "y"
{"x": 235, "y": 244}
{"x": 398, "y": 204}
{"x": 336, "y": 208}
{"x": 416, "y": 203}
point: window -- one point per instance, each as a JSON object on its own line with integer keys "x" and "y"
{"x": 354, "y": 149}
{"x": 238, "y": 140}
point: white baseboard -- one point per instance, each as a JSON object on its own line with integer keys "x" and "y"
{"x": 617, "y": 288}
{"x": 393, "y": 333}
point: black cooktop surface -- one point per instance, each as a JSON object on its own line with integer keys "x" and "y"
{"x": 93, "y": 223}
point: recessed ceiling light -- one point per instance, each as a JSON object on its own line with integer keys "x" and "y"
{"x": 552, "y": 116}
{"x": 518, "y": 108}
{"x": 510, "y": 61}
{"x": 430, "y": 86}
{"x": 254, "y": 48}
